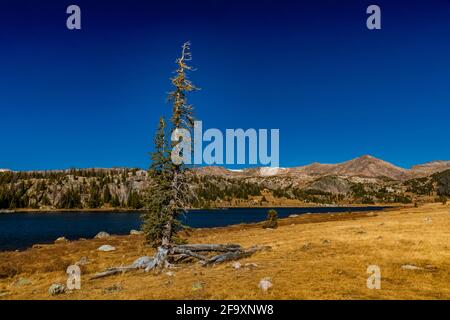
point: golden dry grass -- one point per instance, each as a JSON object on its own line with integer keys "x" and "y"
{"x": 312, "y": 257}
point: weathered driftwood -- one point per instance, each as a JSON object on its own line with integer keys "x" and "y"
{"x": 179, "y": 253}
{"x": 186, "y": 252}
{"x": 235, "y": 255}
{"x": 210, "y": 247}
{"x": 112, "y": 271}
{"x": 159, "y": 261}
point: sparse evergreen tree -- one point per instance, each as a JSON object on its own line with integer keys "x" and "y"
{"x": 159, "y": 193}
{"x": 170, "y": 193}
{"x": 95, "y": 200}
{"x": 106, "y": 195}
{"x": 115, "y": 202}
{"x": 272, "y": 220}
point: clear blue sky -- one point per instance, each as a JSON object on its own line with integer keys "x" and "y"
{"x": 92, "y": 98}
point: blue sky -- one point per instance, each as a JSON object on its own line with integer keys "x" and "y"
{"x": 336, "y": 90}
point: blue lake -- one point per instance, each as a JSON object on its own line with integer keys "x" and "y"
{"x": 22, "y": 230}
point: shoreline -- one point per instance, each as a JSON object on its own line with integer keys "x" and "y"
{"x": 127, "y": 210}
{"x": 299, "y": 217}
{"x": 316, "y": 256}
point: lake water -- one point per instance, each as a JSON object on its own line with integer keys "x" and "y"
{"x": 22, "y": 230}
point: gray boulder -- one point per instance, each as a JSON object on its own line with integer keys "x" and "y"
{"x": 21, "y": 282}
{"x": 265, "y": 284}
{"x": 142, "y": 262}
{"x": 102, "y": 235}
{"x": 411, "y": 267}
{"x": 61, "y": 239}
{"x": 106, "y": 248}
{"x": 56, "y": 289}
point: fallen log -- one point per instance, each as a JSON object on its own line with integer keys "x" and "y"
{"x": 178, "y": 253}
{"x": 112, "y": 271}
{"x": 210, "y": 247}
{"x": 188, "y": 253}
{"x": 235, "y": 255}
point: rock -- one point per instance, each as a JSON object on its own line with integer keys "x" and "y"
{"x": 102, "y": 235}
{"x": 326, "y": 241}
{"x": 411, "y": 267}
{"x": 236, "y": 265}
{"x": 293, "y": 216}
{"x": 21, "y": 282}
{"x": 265, "y": 284}
{"x": 106, "y": 248}
{"x": 56, "y": 289}
{"x": 61, "y": 239}
{"x": 135, "y": 232}
{"x": 83, "y": 261}
{"x": 251, "y": 265}
{"x": 196, "y": 286}
{"x": 170, "y": 273}
{"x": 142, "y": 262}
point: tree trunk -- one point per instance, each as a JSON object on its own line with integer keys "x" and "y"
{"x": 167, "y": 234}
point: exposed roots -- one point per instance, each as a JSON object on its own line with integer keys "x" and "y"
{"x": 180, "y": 253}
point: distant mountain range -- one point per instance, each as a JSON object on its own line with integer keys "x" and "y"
{"x": 364, "y": 180}
{"x": 364, "y": 167}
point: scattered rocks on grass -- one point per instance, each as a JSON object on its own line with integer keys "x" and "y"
{"x": 265, "y": 284}
{"x": 102, "y": 235}
{"x": 21, "y": 282}
{"x": 106, "y": 248}
{"x": 142, "y": 262}
{"x": 251, "y": 265}
{"x": 56, "y": 289}
{"x": 411, "y": 267}
{"x": 236, "y": 265}
{"x": 61, "y": 239}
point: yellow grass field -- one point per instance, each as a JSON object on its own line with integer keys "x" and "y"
{"x": 312, "y": 257}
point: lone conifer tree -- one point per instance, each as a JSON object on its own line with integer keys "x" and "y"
{"x": 182, "y": 118}
{"x": 169, "y": 194}
{"x": 159, "y": 193}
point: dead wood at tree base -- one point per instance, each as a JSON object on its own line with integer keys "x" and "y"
{"x": 177, "y": 254}
{"x": 210, "y": 247}
{"x": 112, "y": 271}
{"x": 235, "y": 255}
